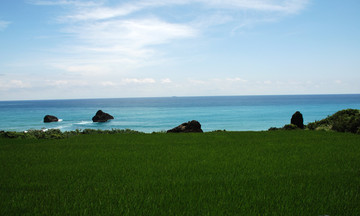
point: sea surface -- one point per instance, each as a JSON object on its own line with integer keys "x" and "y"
{"x": 232, "y": 113}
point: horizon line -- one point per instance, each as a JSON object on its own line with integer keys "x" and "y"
{"x": 105, "y": 98}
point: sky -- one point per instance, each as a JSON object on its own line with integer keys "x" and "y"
{"x": 68, "y": 49}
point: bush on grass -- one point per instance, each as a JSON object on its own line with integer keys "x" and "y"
{"x": 347, "y": 120}
{"x": 57, "y": 134}
{"x": 290, "y": 127}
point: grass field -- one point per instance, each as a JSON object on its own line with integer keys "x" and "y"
{"x": 221, "y": 173}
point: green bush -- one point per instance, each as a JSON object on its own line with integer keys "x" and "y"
{"x": 342, "y": 121}
{"x": 273, "y": 129}
{"x": 311, "y": 126}
{"x": 58, "y": 134}
{"x": 290, "y": 127}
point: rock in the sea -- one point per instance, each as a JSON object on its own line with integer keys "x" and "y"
{"x": 297, "y": 119}
{"x": 101, "y": 116}
{"x": 50, "y": 118}
{"x": 188, "y": 127}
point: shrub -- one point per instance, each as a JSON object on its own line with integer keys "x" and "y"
{"x": 58, "y": 134}
{"x": 290, "y": 127}
{"x": 273, "y": 129}
{"x": 342, "y": 121}
{"x": 311, "y": 126}
{"x": 11, "y": 134}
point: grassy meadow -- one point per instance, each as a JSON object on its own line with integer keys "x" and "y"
{"x": 220, "y": 173}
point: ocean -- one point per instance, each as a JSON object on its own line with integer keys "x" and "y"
{"x": 231, "y": 113}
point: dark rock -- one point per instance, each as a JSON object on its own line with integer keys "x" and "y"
{"x": 297, "y": 119}
{"x": 100, "y": 116}
{"x": 50, "y": 118}
{"x": 188, "y": 127}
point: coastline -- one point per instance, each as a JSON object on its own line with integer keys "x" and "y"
{"x": 232, "y": 113}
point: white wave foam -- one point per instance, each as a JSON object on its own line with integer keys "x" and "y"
{"x": 83, "y": 123}
{"x": 60, "y": 120}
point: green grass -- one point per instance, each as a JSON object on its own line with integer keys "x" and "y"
{"x": 222, "y": 173}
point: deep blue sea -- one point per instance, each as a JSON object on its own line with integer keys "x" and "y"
{"x": 232, "y": 113}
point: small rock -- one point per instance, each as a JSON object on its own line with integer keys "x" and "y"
{"x": 50, "y": 118}
{"x": 188, "y": 127}
{"x": 297, "y": 119}
{"x": 101, "y": 116}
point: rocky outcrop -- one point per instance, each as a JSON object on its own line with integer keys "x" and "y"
{"x": 297, "y": 119}
{"x": 188, "y": 127}
{"x": 50, "y": 118}
{"x": 101, "y": 116}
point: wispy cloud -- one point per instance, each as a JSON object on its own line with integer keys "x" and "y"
{"x": 4, "y": 25}
{"x": 121, "y": 35}
{"x": 13, "y": 84}
{"x": 166, "y": 81}
{"x": 138, "y": 81}
{"x": 237, "y": 79}
{"x": 107, "y": 12}
{"x": 78, "y": 3}
{"x": 66, "y": 83}
{"x": 133, "y": 32}
{"x": 285, "y": 6}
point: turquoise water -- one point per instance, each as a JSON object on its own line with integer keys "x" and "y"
{"x": 232, "y": 113}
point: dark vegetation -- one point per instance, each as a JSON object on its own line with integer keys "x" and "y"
{"x": 342, "y": 121}
{"x": 347, "y": 120}
{"x": 58, "y": 134}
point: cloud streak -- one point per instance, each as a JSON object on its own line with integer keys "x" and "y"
{"x": 13, "y": 84}
{"x": 103, "y": 37}
{"x": 4, "y": 25}
{"x": 77, "y": 3}
{"x": 105, "y": 12}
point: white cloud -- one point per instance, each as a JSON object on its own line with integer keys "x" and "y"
{"x": 13, "y": 84}
{"x": 4, "y": 25}
{"x": 267, "y": 82}
{"x": 101, "y": 13}
{"x": 130, "y": 31}
{"x": 104, "y": 39}
{"x": 237, "y": 79}
{"x": 138, "y": 81}
{"x": 104, "y": 12}
{"x": 108, "y": 84}
{"x": 66, "y": 83}
{"x": 81, "y": 67}
{"x": 166, "y": 81}
{"x": 18, "y": 84}
{"x": 124, "y": 34}
{"x": 78, "y": 3}
{"x": 286, "y": 6}
{"x": 198, "y": 82}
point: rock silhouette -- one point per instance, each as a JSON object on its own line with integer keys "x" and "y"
{"x": 297, "y": 119}
{"x": 50, "y": 118}
{"x": 188, "y": 127}
{"x": 101, "y": 116}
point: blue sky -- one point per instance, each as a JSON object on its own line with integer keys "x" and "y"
{"x": 63, "y": 49}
